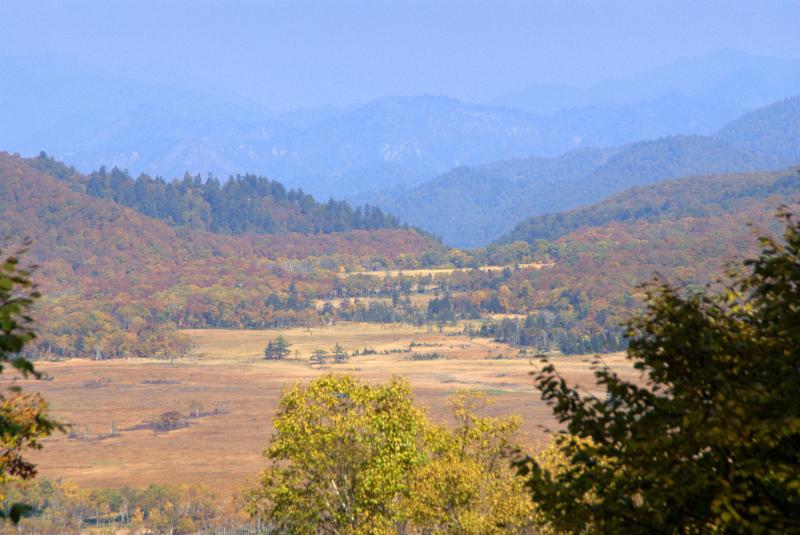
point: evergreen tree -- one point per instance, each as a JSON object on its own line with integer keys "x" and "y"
{"x": 339, "y": 354}
{"x": 277, "y": 349}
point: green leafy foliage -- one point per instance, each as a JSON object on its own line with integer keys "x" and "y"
{"x": 16, "y": 298}
{"x": 465, "y": 486}
{"x": 710, "y": 441}
{"x": 348, "y": 457}
{"x": 340, "y": 455}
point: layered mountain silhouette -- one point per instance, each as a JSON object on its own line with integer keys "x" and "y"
{"x": 88, "y": 119}
{"x": 471, "y": 206}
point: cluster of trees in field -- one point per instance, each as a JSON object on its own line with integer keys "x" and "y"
{"x": 545, "y": 333}
{"x": 566, "y": 321}
{"x": 279, "y": 349}
{"x": 337, "y": 355}
{"x": 61, "y": 507}
{"x": 243, "y": 203}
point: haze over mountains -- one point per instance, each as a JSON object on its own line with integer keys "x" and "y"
{"x": 90, "y": 119}
{"x": 726, "y": 76}
{"x": 471, "y": 206}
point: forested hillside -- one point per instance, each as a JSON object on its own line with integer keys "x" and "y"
{"x": 474, "y": 205}
{"x": 773, "y": 131}
{"x": 577, "y": 278}
{"x": 246, "y": 203}
{"x": 700, "y": 196}
{"x": 684, "y": 230}
{"x": 119, "y": 283}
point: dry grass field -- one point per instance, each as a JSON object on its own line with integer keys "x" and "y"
{"x": 239, "y": 391}
{"x": 437, "y": 271}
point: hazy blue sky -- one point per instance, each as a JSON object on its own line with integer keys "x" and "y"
{"x": 302, "y": 53}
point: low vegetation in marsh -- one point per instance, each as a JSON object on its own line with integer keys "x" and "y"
{"x": 229, "y": 372}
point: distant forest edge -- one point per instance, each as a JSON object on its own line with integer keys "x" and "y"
{"x": 603, "y": 254}
{"x": 244, "y": 203}
{"x": 695, "y": 197}
{"x": 119, "y": 283}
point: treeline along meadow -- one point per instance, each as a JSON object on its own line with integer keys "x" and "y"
{"x": 121, "y": 283}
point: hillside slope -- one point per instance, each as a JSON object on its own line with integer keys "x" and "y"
{"x": 725, "y": 76}
{"x": 773, "y": 131}
{"x": 685, "y": 231}
{"x": 697, "y": 196}
{"x": 461, "y": 208}
{"x": 116, "y": 281}
{"x": 246, "y": 203}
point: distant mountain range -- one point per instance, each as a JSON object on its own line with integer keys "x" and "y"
{"x": 89, "y": 119}
{"x": 471, "y": 206}
{"x": 727, "y": 76}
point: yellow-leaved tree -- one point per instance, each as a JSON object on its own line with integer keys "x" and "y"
{"x": 350, "y": 457}
{"x": 465, "y": 485}
{"x": 341, "y": 454}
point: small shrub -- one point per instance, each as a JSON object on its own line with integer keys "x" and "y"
{"x": 425, "y": 356}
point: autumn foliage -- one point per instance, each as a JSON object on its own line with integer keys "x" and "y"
{"x": 118, "y": 283}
